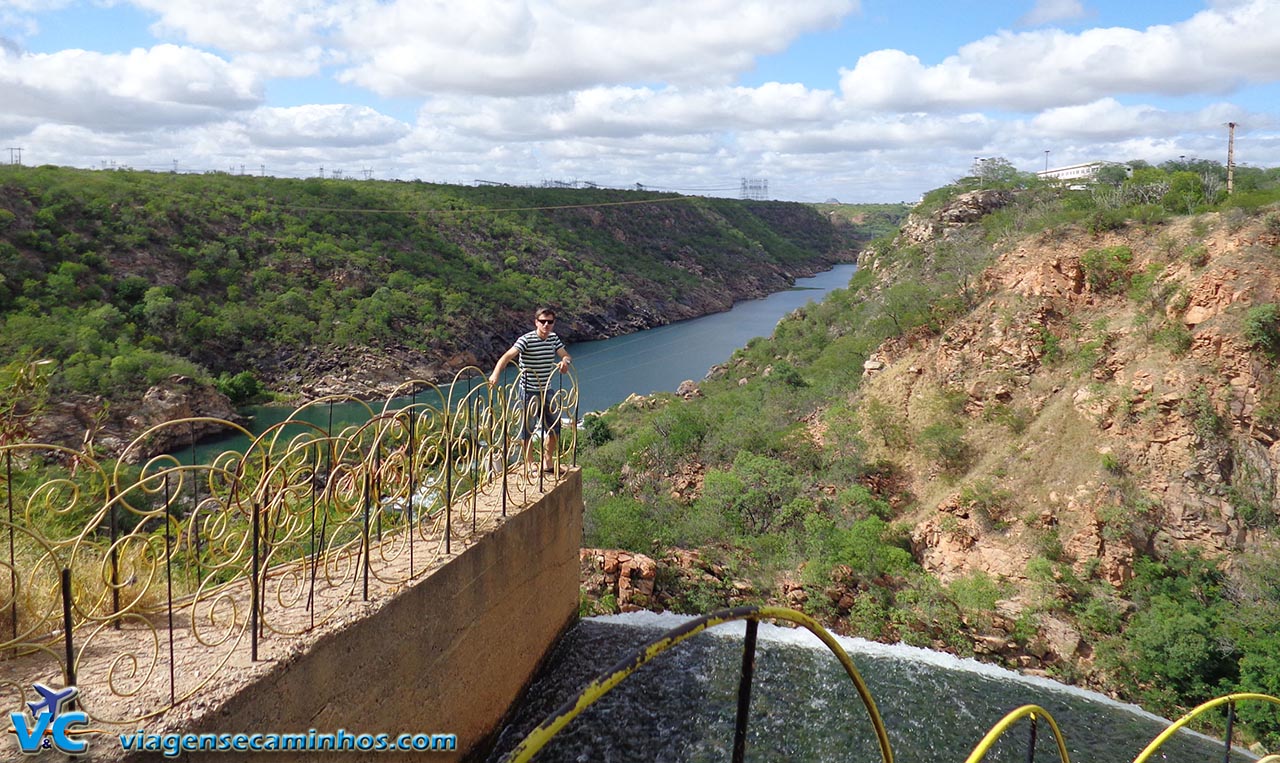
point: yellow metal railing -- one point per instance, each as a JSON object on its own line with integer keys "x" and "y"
{"x": 1229, "y": 700}
{"x": 545, "y": 731}
{"x": 538, "y": 738}
{"x": 1035, "y": 713}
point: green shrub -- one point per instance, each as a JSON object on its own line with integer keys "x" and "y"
{"x": 1262, "y": 329}
{"x": 787, "y": 374}
{"x": 620, "y": 522}
{"x": 1174, "y": 337}
{"x": 976, "y": 593}
{"x": 944, "y": 445}
{"x": 885, "y": 422}
{"x": 752, "y": 494}
{"x": 242, "y": 388}
{"x": 1107, "y": 270}
{"x": 869, "y": 546}
{"x": 596, "y": 430}
{"x": 1271, "y": 223}
{"x": 1196, "y": 254}
{"x": 1100, "y": 614}
{"x": 1016, "y": 418}
{"x": 1050, "y": 346}
{"x": 1105, "y": 220}
{"x": 859, "y": 502}
{"x": 991, "y": 503}
{"x": 682, "y": 426}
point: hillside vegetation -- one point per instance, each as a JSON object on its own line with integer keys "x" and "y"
{"x": 1039, "y": 427}
{"x": 125, "y": 278}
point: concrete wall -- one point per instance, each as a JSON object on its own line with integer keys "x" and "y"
{"x": 448, "y": 655}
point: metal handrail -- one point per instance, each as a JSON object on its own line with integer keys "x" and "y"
{"x": 1228, "y": 699}
{"x": 545, "y": 731}
{"x": 234, "y": 544}
{"x": 1034, "y": 712}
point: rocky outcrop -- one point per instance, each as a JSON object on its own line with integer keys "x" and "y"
{"x": 86, "y": 423}
{"x": 963, "y": 209}
{"x": 681, "y": 581}
{"x": 972, "y": 206}
{"x": 618, "y": 581}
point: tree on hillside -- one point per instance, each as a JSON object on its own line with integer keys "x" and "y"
{"x": 998, "y": 172}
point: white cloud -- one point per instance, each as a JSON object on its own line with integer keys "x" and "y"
{"x": 165, "y": 85}
{"x": 274, "y": 38}
{"x": 33, "y": 6}
{"x": 628, "y": 112}
{"x": 499, "y": 47}
{"x": 1215, "y": 51}
{"x": 1108, "y": 119}
{"x": 905, "y": 132}
{"x": 1048, "y": 11}
{"x": 323, "y": 125}
{"x": 261, "y": 26}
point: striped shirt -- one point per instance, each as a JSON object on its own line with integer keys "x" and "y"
{"x": 537, "y": 359}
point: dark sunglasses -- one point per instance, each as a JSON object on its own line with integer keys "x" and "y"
{"x": 546, "y": 321}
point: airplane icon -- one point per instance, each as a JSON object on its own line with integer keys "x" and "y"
{"x": 51, "y": 700}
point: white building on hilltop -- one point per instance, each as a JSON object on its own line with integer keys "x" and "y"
{"x": 1078, "y": 175}
{"x": 1073, "y": 172}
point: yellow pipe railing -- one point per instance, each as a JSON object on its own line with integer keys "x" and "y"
{"x": 1035, "y": 712}
{"x": 545, "y": 731}
{"x": 539, "y": 737}
{"x": 1184, "y": 720}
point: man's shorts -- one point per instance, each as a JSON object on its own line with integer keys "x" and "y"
{"x": 538, "y": 406}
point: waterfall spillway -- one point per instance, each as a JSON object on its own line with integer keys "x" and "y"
{"x": 936, "y": 707}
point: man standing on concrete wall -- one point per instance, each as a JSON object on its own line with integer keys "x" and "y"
{"x": 537, "y": 352}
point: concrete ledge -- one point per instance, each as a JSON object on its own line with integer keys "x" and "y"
{"x": 445, "y": 655}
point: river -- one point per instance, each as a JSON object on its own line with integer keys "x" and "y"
{"x": 608, "y": 370}
{"x": 658, "y": 359}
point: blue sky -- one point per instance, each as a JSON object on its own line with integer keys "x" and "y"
{"x": 869, "y": 100}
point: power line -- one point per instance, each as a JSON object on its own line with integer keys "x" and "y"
{"x": 755, "y": 189}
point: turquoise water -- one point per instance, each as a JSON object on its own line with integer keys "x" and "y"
{"x": 658, "y": 359}
{"x": 608, "y": 370}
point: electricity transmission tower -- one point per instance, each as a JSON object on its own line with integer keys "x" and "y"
{"x": 756, "y": 189}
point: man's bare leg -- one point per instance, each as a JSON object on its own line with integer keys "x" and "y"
{"x": 549, "y": 456}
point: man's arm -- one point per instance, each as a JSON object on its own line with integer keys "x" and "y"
{"x": 506, "y": 358}
{"x": 564, "y": 359}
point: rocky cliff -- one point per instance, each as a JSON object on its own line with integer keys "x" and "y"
{"x": 1119, "y": 416}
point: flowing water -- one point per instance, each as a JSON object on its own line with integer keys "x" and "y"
{"x": 936, "y": 707}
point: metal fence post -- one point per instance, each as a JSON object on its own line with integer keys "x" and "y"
{"x": 448, "y": 481}
{"x": 168, "y": 579}
{"x": 13, "y": 569}
{"x": 1031, "y": 743}
{"x": 66, "y": 626}
{"x": 253, "y": 583}
{"x": 744, "y": 691}
{"x": 1231, "y": 720}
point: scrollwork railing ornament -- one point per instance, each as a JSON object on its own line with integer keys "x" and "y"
{"x": 167, "y": 557}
